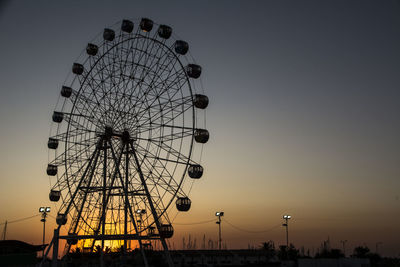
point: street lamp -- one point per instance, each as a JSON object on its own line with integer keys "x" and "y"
{"x": 44, "y": 211}
{"x": 286, "y": 218}
{"x": 140, "y": 212}
{"x": 219, "y": 214}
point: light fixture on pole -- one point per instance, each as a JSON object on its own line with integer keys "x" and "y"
{"x": 44, "y": 211}
{"x": 286, "y": 218}
{"x": 140, "y": 221}
{"x": 219, "y": 214}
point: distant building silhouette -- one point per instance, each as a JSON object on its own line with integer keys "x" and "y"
{"x": 17, "y": 253}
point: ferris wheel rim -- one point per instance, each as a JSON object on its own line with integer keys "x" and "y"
{"x": 188, "y": 83}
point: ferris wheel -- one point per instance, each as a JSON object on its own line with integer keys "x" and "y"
{"x": 126, "y": 138}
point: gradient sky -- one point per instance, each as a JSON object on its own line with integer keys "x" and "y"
{"x": 304, "y": 113}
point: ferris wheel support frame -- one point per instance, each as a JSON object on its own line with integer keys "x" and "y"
{"x": 105, "y": 144}
{"x": 153, "y": 210}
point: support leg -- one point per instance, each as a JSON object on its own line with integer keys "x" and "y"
{"x": 129, "y": 207}
{"x": 153, "y": 210}
{"x": 55, "y": 247}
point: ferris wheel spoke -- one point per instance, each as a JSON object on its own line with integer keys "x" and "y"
{"x": 161, "y": 107}
{"x": 150, "y": 199}
{"x": 153, "y": 167}
{"x": 89, "y": 80}
{"x": 155, "y": 66}
{"x": 85, "y": 98}
{"x": 77, "y": 157}
{"x": 160, "y": 175}
{"x": 136, "y": 58}
{"x": 170, "y": 113}
{"x": 143, "y": 66}
{"x": 166, "y": 88}
{"x": 167, "y": 160}
{"x": 177, "y": 78}
{"x": 179, "y": 157}
{"x": 78, "y": 121}
{"x": 172, "y": 78}
{"x": 100, "y": 82}
{"x": 106, "y": 65}
{"x": 124, "y": 100}
{"x": 169, "y": 137}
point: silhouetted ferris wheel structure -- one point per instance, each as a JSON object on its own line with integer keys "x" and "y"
{"x": 124, "y": 136}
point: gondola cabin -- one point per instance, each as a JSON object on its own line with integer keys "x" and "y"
{"x": 77, "y": 68}
{"x": 181, "y": 47}
{"x": 193, "y": 71}
{"x": 57, "y": 116}
{"x": 54, "y": 195}
{"x": 127, "y": 26}
{"x": 200, "y": 101}
{"x": 61, "y": 219}
{"x": 146, "y": 24}
{"x": 201, "y": 136}
{"x": 195, "y": 171}
{"x": 108, "y": 35}
{"x": 92, "y": 49}
{"x": 166, "y": 231}
{"x": 183, "y": 203}
{"x": 52, "y": 143}
{"x": 66, "y": 91}
{"x": 164, "y": 31}
{"x": 51, "y": 170}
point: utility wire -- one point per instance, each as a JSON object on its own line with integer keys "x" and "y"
{"x": 22, "y": 219}
{"x": 64, "y": 226}
{"x": 249, "y": 231}
{"x": 193, "y": 223}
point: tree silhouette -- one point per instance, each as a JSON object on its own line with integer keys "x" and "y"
{"x": 269, "y": 248}
{"x": 364, "y": 252}
{"x": 288, "y": 253}
{"x": 361, "y": 252}
{"x": 330, "y": 254}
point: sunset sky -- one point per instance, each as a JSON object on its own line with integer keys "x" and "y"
{"x": 304, "y": 114}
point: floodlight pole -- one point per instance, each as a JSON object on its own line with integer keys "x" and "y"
{"x": 44, "y": 211}
{"x": 44, "y": 230}
{"x": 219, "y": 215}
{"x": 286, "y": 224}
{"x": 219, "y": 226}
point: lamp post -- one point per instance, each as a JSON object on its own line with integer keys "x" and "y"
{"x": 344, "y": 246}
{"x": 140, "y": 212}
{"x": 44, "y": 211}
{"x": 219, "y": 214}
{"x": 286, "y": 218}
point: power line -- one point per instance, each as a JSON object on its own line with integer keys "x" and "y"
{"x": 22, "y": 219}
{"x": 249, "y": 231}
{"x": 193, "y": 223}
